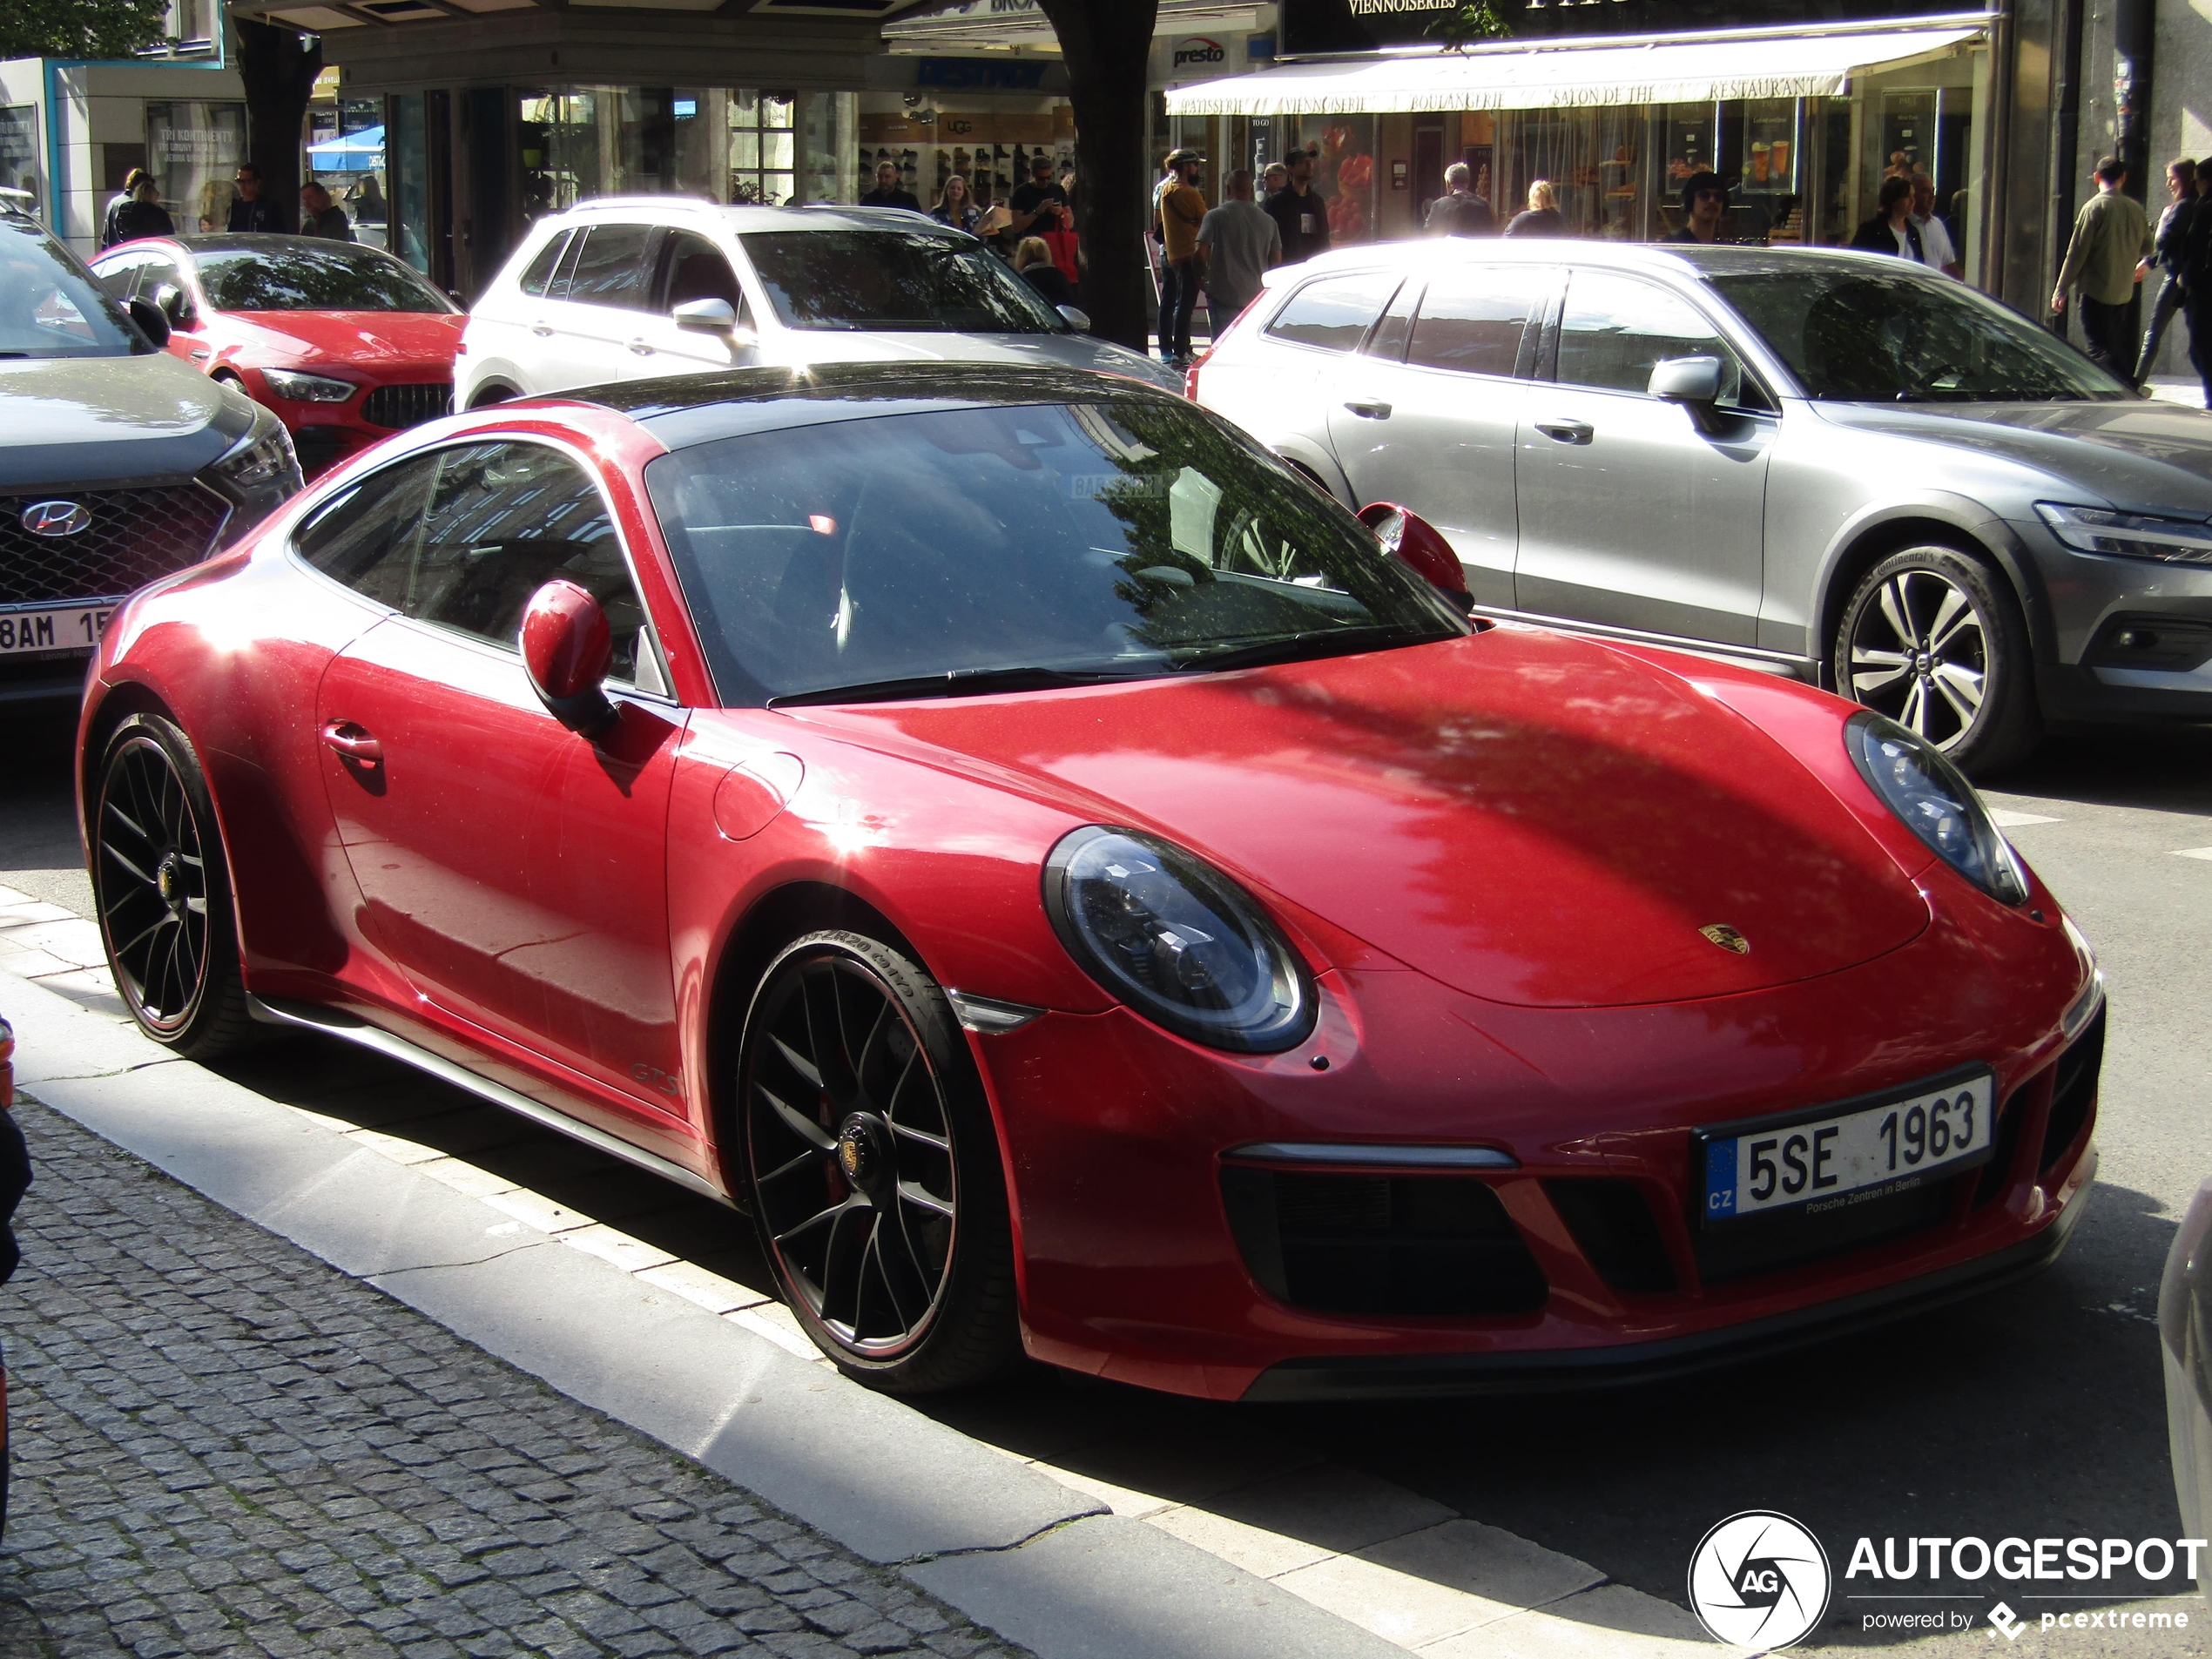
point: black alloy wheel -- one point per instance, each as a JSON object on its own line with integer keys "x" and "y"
{"x": 1934, "y": 639}
{"x": 874, "y": 1168}
{"x": 163, "y": 894}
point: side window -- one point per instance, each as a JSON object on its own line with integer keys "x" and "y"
{"x": 1473, "y": 321}
{"x": 1388, "y": 340}
{"x": 539, "y": 277}
{"x": 1616, "y": 328}
{"x": 610, "y": 271}
{"x": 502, "y": 520}
{"x": 696, "y": 269}
{"x": 157, "y": 269}
{"x": 365, "y": 538}
{"x": 117, "y": 275}
{"x": 1334, "y": 314}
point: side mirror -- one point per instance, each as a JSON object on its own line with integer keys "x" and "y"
{"x": 1412, "y": 541}
{"x": 1694, "y": 382}
{"x": 567, "y": 647}
{"x": 151, "y": 323}
{"x": 173, "y": 305}
{"x": 1078, "y": 319}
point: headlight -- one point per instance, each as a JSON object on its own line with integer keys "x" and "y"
{"x": 1937, "y": 804}
{"x": 257, "y": 473}
{"x": 2131, "y": 535}
{"x": 1178, "y": 940}
{"x": 307, "y": 388}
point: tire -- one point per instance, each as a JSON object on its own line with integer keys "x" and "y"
{"x": 492, "y": 394}
{"x": 1934, "y": 638}
{"x": 873, "y": 1168}
{"x": 162, "y": 888}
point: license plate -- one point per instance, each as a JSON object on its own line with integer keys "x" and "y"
{"x": 1851, "y": 1156}
{"x": 59, "y": 628}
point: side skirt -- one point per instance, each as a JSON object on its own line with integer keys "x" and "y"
{"x": 310, "y": 1017}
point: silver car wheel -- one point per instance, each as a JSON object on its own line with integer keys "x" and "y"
{"x": 1920, "y": 655}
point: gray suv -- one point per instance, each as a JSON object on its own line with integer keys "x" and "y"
{"x": 1839, "y": 466}
{"x": 119, "y": 463}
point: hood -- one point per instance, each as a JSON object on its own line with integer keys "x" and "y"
{"x": 1035, "y": 350}
{"x": 1528, "y": 817}
{"x": 366, "y": 340}
{"x": 2139, "y": 455}
{"x": 88, "y": 419}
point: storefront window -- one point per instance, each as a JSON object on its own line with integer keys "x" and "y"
{"x": 1344, "y": 147}
{"x": 348, "y": 160}
{"x": 409, "y": 152}
{"x": 724, "y": 144}
{"x": 19, "y": 146}
{"x": 762, "y": 148}
{"x": 193, "y": 148}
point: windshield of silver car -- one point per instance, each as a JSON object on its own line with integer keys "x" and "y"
{"x": 894, "y": 281}
{"x": 1859, "y": 336}
{"x": 50, "y": 308}
{"x": 308, "y": 277}
{"x": 1010, "y": 548}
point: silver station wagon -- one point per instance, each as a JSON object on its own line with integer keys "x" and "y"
{"x": 1834, "y": 465}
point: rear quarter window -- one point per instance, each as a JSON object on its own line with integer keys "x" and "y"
{"x": 1335, "y": 313}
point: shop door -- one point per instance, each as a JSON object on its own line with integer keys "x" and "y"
{"x": 1631, "y": 517}
{"x": 1436, "y": 433}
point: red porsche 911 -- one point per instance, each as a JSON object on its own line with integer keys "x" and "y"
{"x": 345, "y": 344}
{"x": 1082, "y": 892}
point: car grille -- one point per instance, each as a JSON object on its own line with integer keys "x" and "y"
{"x": 1438, "y": 1246}
{"x": 2073, "y": 1094}
{"x": 400, "y": 406}
{"x": 1614, "y": 1226}
{"x": 135, "y": 536}
{"x": 317, "y": 447}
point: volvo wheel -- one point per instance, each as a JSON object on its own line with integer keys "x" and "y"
{"x": 874, "y": 1168}
{"x": 162, "y": 893}
{"x": 1934, "y": 639}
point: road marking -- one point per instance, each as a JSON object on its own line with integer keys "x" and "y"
{"x": 2004, "y": 819}
{"x": 2204, "y": 853}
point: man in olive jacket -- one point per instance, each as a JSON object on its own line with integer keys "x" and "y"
{"x": 2112, "y": 237}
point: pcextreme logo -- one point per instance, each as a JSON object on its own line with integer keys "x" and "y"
{"x": 1759, "y": 1580}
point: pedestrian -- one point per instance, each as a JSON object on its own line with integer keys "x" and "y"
{"x": 1541, "y": 217}
{"x": 1300, "y": 214}
{"x": 1240, "y": 243}
{"x": 1893, "y": 230}
{"x": 1041, "y": 204}
{"x": 2196, "y": 281}
{"x": 956, "y": 207}
{"x": 2170, "y": 250}
{"x": 1704, "y": 204}
{"x": 1183, "y": 210}
{"x": 1274, "y": 181}
{"x": 2112, "y": 237}
{"x": 138, "y": 211}
{"x": 249, "y": 209}
{"x": 1458, "y": 211}
{"x": 888, "y": 191}
{"x": 1033, "y": 263}
{"x": 320, "y": 216}
{"x": 1935, "y": 235}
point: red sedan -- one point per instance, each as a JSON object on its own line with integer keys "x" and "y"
{"x": 1080, "y": 891}
{"x": 347, "y": 345}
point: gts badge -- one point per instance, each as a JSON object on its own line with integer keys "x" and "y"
{"x": 654, "y": 1077}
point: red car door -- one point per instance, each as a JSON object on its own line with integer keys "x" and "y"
{"x": 514, "y": 871}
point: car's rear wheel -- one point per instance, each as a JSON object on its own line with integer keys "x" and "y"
{"x": 1934, "y": 639}
{"x": 163, "y": 891}
{"x": 873, "y": 1167}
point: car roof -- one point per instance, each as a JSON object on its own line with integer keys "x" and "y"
{"x": 744, "y": 217}
{"x": 686, "y": 409}
{"x": 1679, "y": 258}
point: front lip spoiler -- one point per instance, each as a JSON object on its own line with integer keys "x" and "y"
{"x": 1633, "y": 1364}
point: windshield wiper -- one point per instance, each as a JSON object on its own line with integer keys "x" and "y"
{"x": 1290, "y": 648}
{"x": 961, "y": 682}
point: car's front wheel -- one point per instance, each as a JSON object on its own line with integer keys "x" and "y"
{"x": 873, "y": 1167}
{"x": 1934, "y": 639}
{"x": 163, "y": 890}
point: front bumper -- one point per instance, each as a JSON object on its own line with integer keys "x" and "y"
{"x": 2131, "y": 638}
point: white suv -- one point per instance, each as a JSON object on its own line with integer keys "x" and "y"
{"x": 632, "y": 288}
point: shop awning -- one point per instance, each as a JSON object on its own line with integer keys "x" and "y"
{"x": 1566, "y": 78}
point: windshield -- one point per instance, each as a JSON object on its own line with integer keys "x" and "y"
{"x": 312, "y": 277}
{"x": 50, "y": 306}
{"x": 1121, "y": 538}
{"x": 1861, "y": 336}
{"x": 901, "y": 280}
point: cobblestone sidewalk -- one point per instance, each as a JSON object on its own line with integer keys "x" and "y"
{"x": 224, "y": 1446}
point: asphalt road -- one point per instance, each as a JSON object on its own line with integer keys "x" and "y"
{"x": 2035, "y": 1413}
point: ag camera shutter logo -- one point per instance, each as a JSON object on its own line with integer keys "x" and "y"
{"x": 1759, "y": 1580}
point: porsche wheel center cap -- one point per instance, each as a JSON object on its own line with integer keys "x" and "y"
{"x": 860, "y": 1151}
{"x": 168, "y": 877}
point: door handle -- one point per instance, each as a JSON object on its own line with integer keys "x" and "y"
{"x": 1368, "y": 409}
{"x": 642, "y": 346}
{"x": 1568, "y": 431}
{"x": 201, "y": 354}
{"x": 352, "y": 743}
{"x": 542, "y": 329}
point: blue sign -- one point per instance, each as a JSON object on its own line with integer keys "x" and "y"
{"x": 982, "y": 74}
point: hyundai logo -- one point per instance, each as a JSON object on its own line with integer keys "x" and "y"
{"x": 55, "y": 518}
